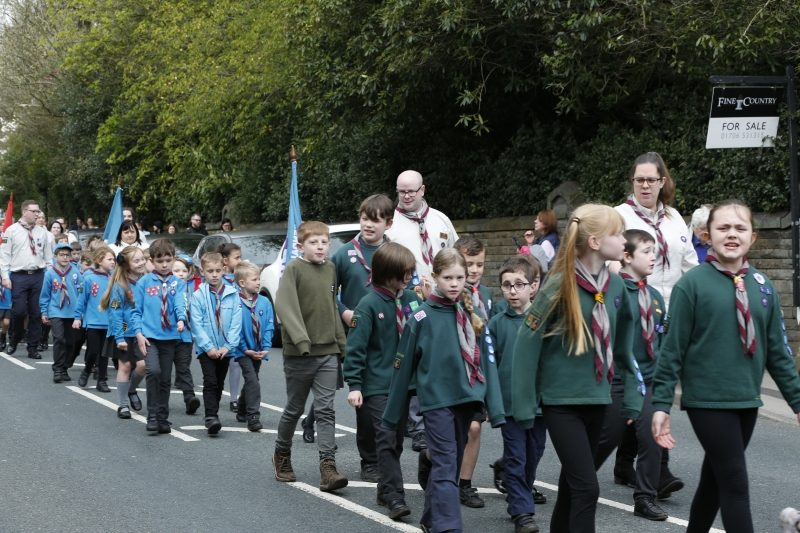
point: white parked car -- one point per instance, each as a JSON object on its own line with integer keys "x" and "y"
{"x": 341, "y": 234}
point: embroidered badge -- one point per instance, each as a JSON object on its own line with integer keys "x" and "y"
{"x": 173, "y": 284}
{"x": 353, "y": 259}
{"x": 74, "y": 277}
{"x": 406, "y": 310}
{"x": 489, "y": 304}
{"x": 442, "y": 235}
{"x": 333, "y": 289}
{"x": 380, "y": 316}
{"x": 270, "y": 320}
{"x": 261, "y": 312}
{"x": 172, "y": 293}
{"x": 442, "y": 245}
{"x": 659, "y": 328}
{"x": 419, "y": 316}
{"x": 124, "y": 327}
{"x": 56, "y": 286}
{"x": 759, "y": 278}
{"x": 414, "y": 305}
{"x": 491, "y": 358}
{"x": 764, "y": 301}
{"x": 114, "y": 304}
{"x": 352, "y": 252}
{"x": 353, "y": 322}
{"x": 665, "y": 327}
{"x": 415, "y": 280}
{"x": 683, "y": 238}
{"x": 488, "y": 339}
{"x": 491, "y": 350}
{"x": 617, "y": 301}
{"x": 765, "y": 290}
{"x": 95, "y": 288}
{"x": 397, "y": 360}
{"x": 533, "y": 320}
{"x": 154, "y": 290}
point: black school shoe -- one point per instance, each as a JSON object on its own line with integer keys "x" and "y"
{"x": 538, "y": 497}
{"x": 419, "y": 442}
{"x": 152, "y": 423}
{"x": 470, "y": 498}
{"x": 83, "y": 379}
{"x": 135, "y": 401}
{"x": 164, "y": 426}
{"x": 370, "y": 474}
{"x": 192, "y": 405}
{"x": 499, "y": 468}
{"x": 123, "y": 412}
{"x": 57, "y": 377}
{"x": 241, "y": 418}
{"x": 424, "y": 470}
{"x": 102, "y": 386}
{"x": 254, "y": 425}
{"x": 398, "y": 509}
{"x": 647, "y": 507}
{"x": 524, "y": 523}
{"x": 65, "y": 376}
{"x": 3, "y": 339}
{"x": 308, "y": 431}
{"x": 668, "y": 484}
{"x": 625, "y": 474}
{"x": 213, "y": 425}
{"x": 234, "y": 406}
{"x": 34, "y": 355}
{"x": 12, "y": 347}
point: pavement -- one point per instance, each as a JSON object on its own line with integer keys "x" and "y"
{"x": 67, "y": 463}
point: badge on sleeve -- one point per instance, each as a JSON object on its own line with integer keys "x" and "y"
{"x": 419, "y": 316}
{"x": 533, "y": 320}
{"x": 352, "y": 252}
{"x": 443, "y": 235}
{"x": 491, "y": 358}
{"x": 353, "y": 259}
{"x": 353, "y": 322}
{"x": 398, "y": 359}
{"x": 617, "y": 301}
{"x": 764, "y": 301}
{"x": 380, "y": 316}
{"x": 683, "y": 238}
{"x": 260, "y": 312}
{"x": 759, "y": 278}
{"x": 765, "y": 290}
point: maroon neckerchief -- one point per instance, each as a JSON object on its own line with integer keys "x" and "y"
{"x": 29, "y": 229}
{"x": 473, "y": 361}
{"x": 401, "y": 317}
{"x": 427, "y": 247}
{"x": 251, "y": 305}
{"x": 747, "y": 331}
{"x": 599, "y": 298}
{"x": 99, "y": 272}
{"x": 64, "y": 292}
{"x": 663, "y": 247}
{"x": 218, "y": 307}
{"x": 165, "y": 323}
{"x": 646, "y": 313}
{"x": 477, "y": 299}
{"x": 357, "y": 246}
{"x": 189, "y": 292}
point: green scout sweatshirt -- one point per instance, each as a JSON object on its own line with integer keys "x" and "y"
{"x": 544, "y": 368}
{"x": 429, "y": 350}
{"x": 306, "y": 305}
{"x": 372, "y": 341}
{"x": 702, "y": 347}
{"x": 498, "y": 308}
{"x": 647, "y": 365}
{"x": 504, "y": 328}
{"x": 351, "y": 274}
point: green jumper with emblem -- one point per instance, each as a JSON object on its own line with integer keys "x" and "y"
{"x": 504, "y": 328}
{"x": 647, "y": 364}
{"x": 351, "y": 274}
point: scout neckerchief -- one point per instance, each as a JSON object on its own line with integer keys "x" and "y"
{"x": 646, "y": 312}
{"x": 747, "y": 330}
{"x": 401, "y": 317}
{"x": 29, "y": 229}
{"x": 357, "y": 246}
{"x": 470, "y": 351}
{"x": 251, "y": 305}
{"x": 601, "y": 326}
{"x": 477, "y": 300}
{"x": 663, "y": 247}
{"x": 131, "y": 282}
{"x": 218, "y": 307}
{"x": 427, "y": 247}
{"x": 188, "y": 300}
{"x": 165, "y": 323}
{"x": 228, "y": 278}
{"x": 64, "y": 292}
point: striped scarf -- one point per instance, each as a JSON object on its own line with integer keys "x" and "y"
{"x": 470, "y": 350}
{"x": 399, "y": 315}
{"x": 646, "y": 313}
{"x": 747, "y": 331}
{"x": 64, "y": 292}
{"x": 357, "y": 247}
{"x": 29, "y": 229}
{"x": 251, "y": 305}
{"x": 663, "y": 247}
{"x": 187, "y": 298}
{"x": 601, "y": 325}
{"x": 165, "y": 323}
{"x": 427, "y": 247}
{"x": 218, "y": 307}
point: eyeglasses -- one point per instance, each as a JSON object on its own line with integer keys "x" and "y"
{"x": 34, "y": 211}
{"x": 518, "y": 286}
{"x": 410, "y": 194}
{"x": 650, "y": 181}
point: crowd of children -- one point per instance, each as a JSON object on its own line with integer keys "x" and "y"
{"x": 582, "y": 359}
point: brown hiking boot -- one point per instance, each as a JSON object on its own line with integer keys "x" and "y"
{"x": 330, "y": 478}
{"x": 283, "y": 466}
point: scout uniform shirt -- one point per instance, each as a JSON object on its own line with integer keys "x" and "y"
{"x": 702, "y": 347}
{"x": 93, "y": 285}
{"x": 372, "y": 341}
{"x": 351, "y": 273}
{"x": 441, "y": 234}
{"x": 545, "y": 369}
{"x": 647, "y": 364}
{"x": 120, "y": 305}
{"x": 266, "y": 320}
{"x": 16, "y": 254}
{"x": 504, "y": 328}
{"x": 50, "y": 299}
{"x": 146, "y": 316}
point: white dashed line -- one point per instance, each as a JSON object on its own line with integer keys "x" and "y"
{"x": 17, "y": 362}
{"x": 139, "y": 418}
{"x": 244, "y": 430}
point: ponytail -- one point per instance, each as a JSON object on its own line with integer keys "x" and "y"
{"x": 120, "y": 275}
{"x": 474, "y": 318}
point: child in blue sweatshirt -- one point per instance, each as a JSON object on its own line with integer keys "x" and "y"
{"x": 119, "y": 300}
{"x": 158, "y": 321}
{"x": 58, "y": 300}
{"x": 88, "y": 314}
{"x": 231, "y": 256}
{"x": 184, "y": 269}
{"x": 255, "y": 342}
{"x": 216, "y": 328}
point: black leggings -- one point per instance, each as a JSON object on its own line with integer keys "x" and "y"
{"x": 575, "y": 433}
{"x": 724, "y": 435}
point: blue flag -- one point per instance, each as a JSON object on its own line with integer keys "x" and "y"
{"x": 114, "y": 219}
{"x": 294, "y": 221}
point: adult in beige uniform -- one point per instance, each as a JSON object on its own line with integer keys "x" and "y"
{"x": 424, "y": 231}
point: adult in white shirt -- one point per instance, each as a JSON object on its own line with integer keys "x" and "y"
{"x": 647, "y": 208}
{"x": 128, "y": 235}
{"x": 24, "y": 255}
{"x": 420, "y": 228}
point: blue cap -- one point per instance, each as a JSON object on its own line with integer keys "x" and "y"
{"x": 62, "y": 246}
{"x": 187, "y": 258}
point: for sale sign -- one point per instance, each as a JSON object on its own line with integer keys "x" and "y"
{"x": 743, "y": 117}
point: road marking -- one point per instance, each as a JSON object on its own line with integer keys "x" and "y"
{"x": 354, "y": 507}
{"x": 245, "y": 430}
{"x": 280, "y": 410}
{"x": 16, "y": 362}
{"x": 51, "y": 362}
{"x": 177, "y": 434}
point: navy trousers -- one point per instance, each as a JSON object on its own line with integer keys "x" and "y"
{"x": 25, "y": 291}
{"x": 522, "y": 449}
{"x": 446, "y": 430}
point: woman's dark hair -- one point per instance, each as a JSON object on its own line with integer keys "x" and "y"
{"x": 667, "y": 193}
{"x": 225, "y": 221}
{"x": 159, "y": 226}
{"x": 226, "y": 248}
{"x": 59, "y": 225}
{"x": 127, "y": 224}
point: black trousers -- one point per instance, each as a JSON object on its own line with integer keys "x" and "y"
{"x": 724, "y": 435}
{"x": 95, "y": 353}
{"x": 388, "y": 445}
{"x": 214, "y": 372}
{"x": 250, "y": 396}
{"x": 183, "y": 371}
{"x": 63, "y": 341}
{"x": 25, "y": 291}
{"x": 575, "y": 432}
{"x": 78, "y": 338}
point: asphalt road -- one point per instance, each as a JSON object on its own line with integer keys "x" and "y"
{"x": 69, "y": 464}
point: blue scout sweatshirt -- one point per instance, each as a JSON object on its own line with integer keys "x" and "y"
{"x": 186, "y": 334}
{"x": 93, "y": 286}
{"x": 50, "y": 297}
{"x": 207, "y": 335}
{"x": 266, "y": 318}
{"x": 146, "y": 316}
{"x": 120, "y": 307}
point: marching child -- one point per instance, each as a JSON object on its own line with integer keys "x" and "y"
{"x": 5, "y": 315}
{"x": 646, "y": 303}
{"x": 353, "y": 263}
{"x": 724, "y": 328}
{"x": 313, "y": 343}
{"x": 77, "y": 251}
{"x": 95, "y": 322}
{"x": 119, "y": 301}
{"x": 79, "y": 335}
{"x": 58, "y": 300}
{"x": 446, "y": 338}
{"x": 158, "y": 320}
{"x": 579, "y": 325}
{"x": 258, "y": 322}
{"x": 216, "y": 328}
{"x": 231, "y": 256}
{"x": 475, "y": 254}
{"x": 522, "y": 448}
{"x": 183, "y": 269}
{"x": 377, "y": 323}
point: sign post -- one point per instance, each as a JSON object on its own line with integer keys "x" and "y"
{"x": 761, "y": 88}
{"x": 743, "y": 117}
